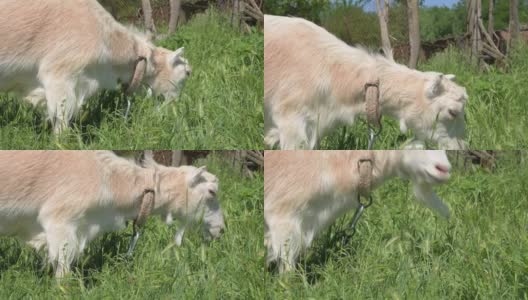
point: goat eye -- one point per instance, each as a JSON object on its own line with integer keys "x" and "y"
{"x": 212, "y": 192}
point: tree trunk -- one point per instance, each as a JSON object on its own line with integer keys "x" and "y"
{"x": 414, "y": 32}
{"x": 480, "y": 43}
{"x": 148, "y": 154}
{"x": 383, "y": 16}
{"x": 178, "y": 158}
{"x": 175, "y": 6}
{"x": 514, "y": 20}
{"x": 147, "y": 14}
{"x": 474, "y": 32}
{"x": 490, "y": 17}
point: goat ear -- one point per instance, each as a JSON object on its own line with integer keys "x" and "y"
{"x": 425, "y": 194}
{"x": 433, "y": 86}
{"x": 175, "y": 56}
{"x": 179, "y": 51}
{"x": 149, "y": 92}
{"x": 150, "y": 35}
{"x": 403, "y": 126}
{"x": 168, "y": 218}
{"x": 148, "y": 161}
{"x": 415, "y": 145}
{"x": 195, "y": 175}
{"x": 450, "y": 76}
{"x": 387, "y": 52}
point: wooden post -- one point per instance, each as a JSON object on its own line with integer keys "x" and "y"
{"x": 383, "y": 17}
{"x": 414, "y": 32}
{"x": 147, "y": 15}
{"x": 514, "y": 20}
{"x": 473, "y": 31}
{"x": 175, "y": 6}
{"x": 490, "y": 17}
{"x": 177, "y": 158}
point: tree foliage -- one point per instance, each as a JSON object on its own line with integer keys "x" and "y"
{"x": 438, "y": 22}
{"x": 349, "y": 20}
{"x": 354, "y": 25}
{"x": 308, "y": 9}
{"x": 502, "y": 13}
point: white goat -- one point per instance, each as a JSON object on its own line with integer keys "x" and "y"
{"x": 62, "y": 52}
{"x": 313, "y": 82}
{"x": 64, "y": 199}
{"x": 305, "y": 191}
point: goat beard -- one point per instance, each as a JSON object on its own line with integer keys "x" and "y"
{"x": 425, "y": 194}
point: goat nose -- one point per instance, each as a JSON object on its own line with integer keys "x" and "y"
{"x": 443, "y": 168}
{"x": 222, "y": 231}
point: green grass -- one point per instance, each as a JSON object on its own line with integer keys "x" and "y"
{"x": 496, "y": 111}
{"x": 402, "y": 251}
{"x": 229, "y": 268}
{"x": 220, "y": 107}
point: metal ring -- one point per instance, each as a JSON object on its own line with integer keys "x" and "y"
{"x": 369, "y": 203}
{"x": 372, "y": 84}
{"x": 377, "y": 131}
{"x": 362, "y": 160}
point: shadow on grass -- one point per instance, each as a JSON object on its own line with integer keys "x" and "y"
{"x": 338, "y": 241}
{"x": 16, "y": 112}
{"x": 92, "y": 114}
{"x": 98, "y": 109}
{"x": 111, "y": 247}
{"x": 17, "y": 255}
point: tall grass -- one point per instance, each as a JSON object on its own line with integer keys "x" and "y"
{"x": 402, "y": 251}
{"x": 496, "y": 112}
{"x": 228, "y": 268}
{"x": 220, "y": 107}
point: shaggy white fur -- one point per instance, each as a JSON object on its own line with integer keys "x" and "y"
{"x": 62, "y": 52}
{"x": 305, "y": 191}
{"x": 64, "y": 199}
{"x": 313, "y": 82}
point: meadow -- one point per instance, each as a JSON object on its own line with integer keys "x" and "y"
{"x": 495, "y": 112}
{"x": 231, "y": 267}
{"x": 220, "y": 106}
{"x": 401, "y": 250}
